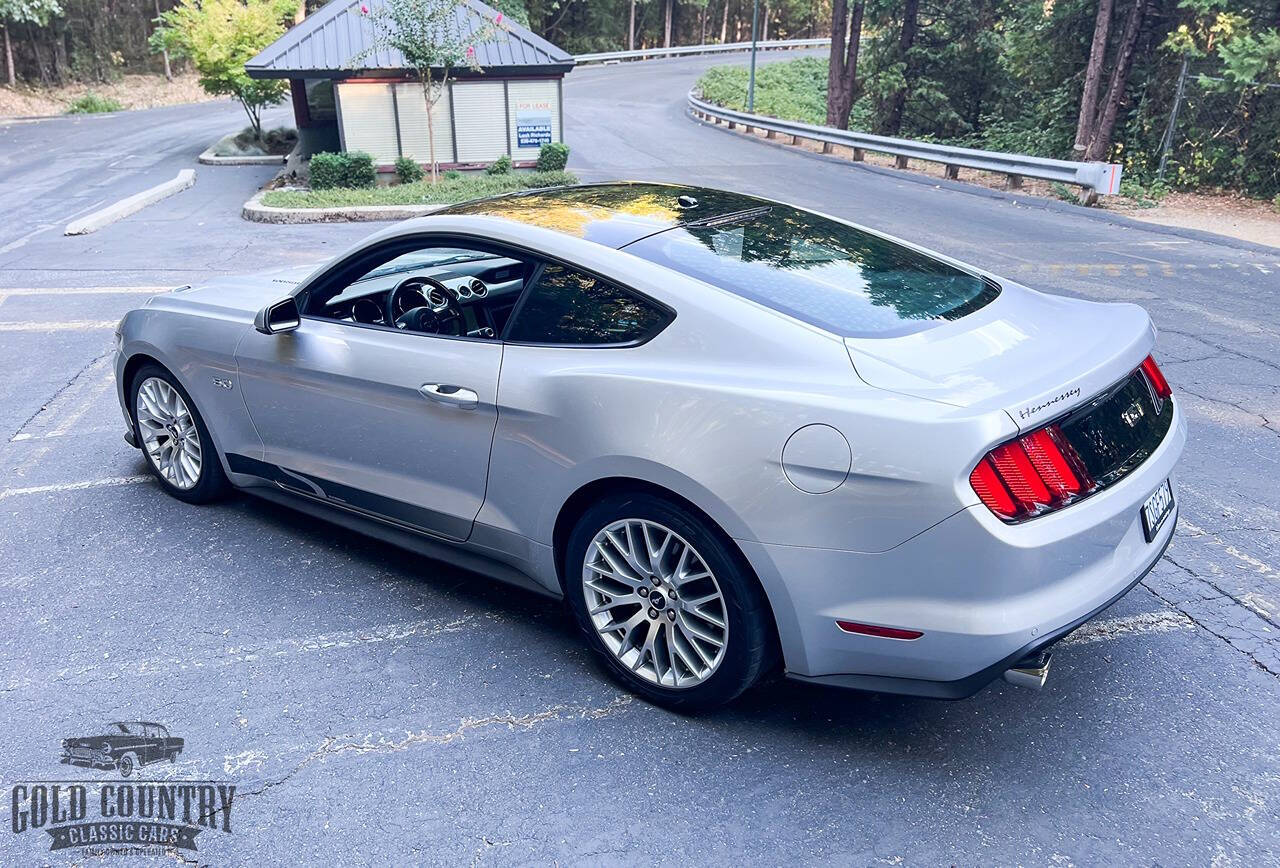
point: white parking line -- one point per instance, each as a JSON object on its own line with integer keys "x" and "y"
{"x": 1163, "y": 621}
{"x": 5, "y": 494}
{"x": 86, "y": 290}
{"x": 76, "y": 325}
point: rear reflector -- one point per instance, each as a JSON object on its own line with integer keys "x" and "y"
{"x": 880, "y": 632}
{"x": 1156, "y": 378}
{"x": 1033, "y": 474}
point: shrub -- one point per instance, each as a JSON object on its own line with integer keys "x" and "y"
{"x": 452, "y": 175}
{"x": 92, "y": 104}
{"x": 327, "y": 170}
{"x": 360, "y": 171}
{"x": 500, "y": 166}
{"x": 552, "y": 157}
{"x": 351, "y": 170}
{"x": 407, "y": 170}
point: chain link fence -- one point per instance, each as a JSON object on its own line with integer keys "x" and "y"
{"x": 1223, "y": 135}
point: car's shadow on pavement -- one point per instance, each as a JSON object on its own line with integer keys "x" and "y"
{"x": 811, "y": 713}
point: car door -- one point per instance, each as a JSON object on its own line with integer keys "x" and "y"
{"x": 387, "y": 423}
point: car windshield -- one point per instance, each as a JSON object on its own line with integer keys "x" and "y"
{"x": 118, "y": 729}
{"x": 433, "y": 258}
{"x": 827, "y": 273}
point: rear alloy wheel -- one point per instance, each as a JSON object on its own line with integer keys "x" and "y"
{"x": 674, "y": 612}
{"x": 174, "y": 438}
{"x": 654, "y": 603}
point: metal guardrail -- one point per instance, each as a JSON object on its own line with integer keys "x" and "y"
{"x": 1098, "y": 179}
{"x": 681, "y": 50}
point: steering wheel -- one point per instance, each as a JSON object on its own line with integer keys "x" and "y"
{"x": 435, "y": 310}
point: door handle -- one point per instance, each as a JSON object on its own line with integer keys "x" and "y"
{"x": 455, "y": 396}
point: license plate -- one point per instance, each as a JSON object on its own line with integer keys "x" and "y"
{"x": 1156, "y": 510}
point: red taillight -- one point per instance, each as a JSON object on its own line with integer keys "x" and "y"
{"x": 1156, "y": 378}
{"x": 1028, "y": 476}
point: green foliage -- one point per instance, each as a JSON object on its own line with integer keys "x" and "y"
{"x": 327, "y": 170}
{"x": 447, "y": 190}
{"x": 37, "y": 12}
{"x": 353, "y": 170}
{"x": 795, "y": 89}
{"x": 219, "y": 37}
{"x": 91, "y": 104}
{"x": 500, "y": 166}
{"x": 452, "y": 175}
{"x": 553, "y": 157}
{"x": 407, "y": 170}
{"x": 514, "y": 9}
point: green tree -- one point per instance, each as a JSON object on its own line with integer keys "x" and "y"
{"x": 219, "y": 37}
{"x": 12, "y": 12}
{"x": 428, "y": 34}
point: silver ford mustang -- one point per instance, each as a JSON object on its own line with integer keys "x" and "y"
{"x": 735, "y": 435}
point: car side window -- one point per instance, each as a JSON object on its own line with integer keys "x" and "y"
{"x": 567, "y": 306}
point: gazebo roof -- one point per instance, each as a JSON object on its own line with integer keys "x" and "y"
{"x": 326, "y": 42}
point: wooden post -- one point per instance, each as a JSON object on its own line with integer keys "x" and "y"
{"x": 859, "y": 155}
{"x": 772, "y": 134}
{"x": 1015, "y": 181}
{"x": 732, "y": 125}
{"x": 900, "y": 162}
{"x": 826, "y": 147}
{"x": 953, "y": 172}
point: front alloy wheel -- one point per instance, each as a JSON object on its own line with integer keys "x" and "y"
{"x": 168, "y": 433}
{"x": 173, "y": 437}
{"x": 655, "y": 603}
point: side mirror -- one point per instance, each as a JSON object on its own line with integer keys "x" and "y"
{"x": 279, "y": 316}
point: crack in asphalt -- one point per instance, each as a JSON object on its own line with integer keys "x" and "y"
{"x": 1266, "y": 422}
{"x": 1201, "y": 623}
{"x": 44, "y": 405}
{"x": 335, "y": 745}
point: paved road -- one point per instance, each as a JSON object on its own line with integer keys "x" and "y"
{"x": 374, "y": 707}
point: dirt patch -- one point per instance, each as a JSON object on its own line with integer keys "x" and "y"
{"x": 131, "y": 91}
{"x": 1225, "y": 214}
{"x": 1221, "y": 213}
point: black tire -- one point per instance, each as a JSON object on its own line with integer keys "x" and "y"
{"x": 750, "y": 649}
{"x": 126, "y": 765}
{"x": 213, "y": 483}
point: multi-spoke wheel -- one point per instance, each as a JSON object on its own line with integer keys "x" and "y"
{"x": 655, "y": 603}
{"x": 173, "y": 437}
{"x": 676, "y": 614}
{"x": 168, "y": 433}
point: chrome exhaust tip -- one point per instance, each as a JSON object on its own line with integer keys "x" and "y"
{"x": 1030, "y": 671}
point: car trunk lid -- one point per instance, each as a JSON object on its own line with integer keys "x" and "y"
{"x": 1034, "y": 356}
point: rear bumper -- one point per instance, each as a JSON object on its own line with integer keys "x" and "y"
{"x": 971, "y": 684}
{"x": 985, "y": 594}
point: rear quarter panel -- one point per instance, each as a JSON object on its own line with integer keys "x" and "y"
{"x": 705, "y": 408}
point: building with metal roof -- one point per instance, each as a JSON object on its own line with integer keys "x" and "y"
{"x": 349, "y": 96}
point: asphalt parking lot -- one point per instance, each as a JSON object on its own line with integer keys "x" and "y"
{"x": 375, "y": 707}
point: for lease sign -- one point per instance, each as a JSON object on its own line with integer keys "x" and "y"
{"x": 533, "y": 123}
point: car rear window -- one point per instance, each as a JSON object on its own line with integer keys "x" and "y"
{"x": 824, "y": 272}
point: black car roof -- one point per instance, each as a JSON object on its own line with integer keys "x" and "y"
{"x": 614, "y": 214}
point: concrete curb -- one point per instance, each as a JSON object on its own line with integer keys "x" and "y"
{"x": 255, "y": 211}
{"x": 1044, "y": 203}
{"x": 133, "y": 204}
{"x": 209, "y": 158}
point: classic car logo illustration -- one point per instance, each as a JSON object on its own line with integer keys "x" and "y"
{"x": 122, "y": 817}
{"x": 123, "y": 745}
